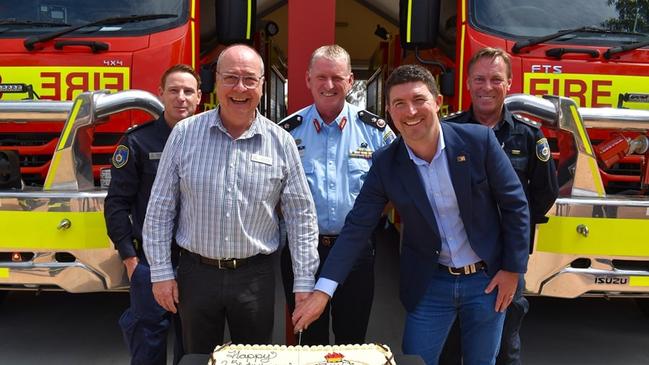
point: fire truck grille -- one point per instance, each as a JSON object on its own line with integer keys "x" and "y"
{"x": 26, "y": 139}
{"x": 35, "y": 152}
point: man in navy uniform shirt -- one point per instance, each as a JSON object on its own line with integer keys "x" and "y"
{"x": 135, "y": 163}
{"x": 490, "y": 78}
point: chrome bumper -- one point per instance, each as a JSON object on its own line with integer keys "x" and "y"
{"x": 592, "y": 247}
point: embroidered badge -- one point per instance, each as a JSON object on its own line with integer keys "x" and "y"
{"x": 120, "y": 157}
{"x": 388, "y": 136}
{"x": 343, "y": 123}
{"x": 362, "y": 152}
{"x": 543, "y": 150}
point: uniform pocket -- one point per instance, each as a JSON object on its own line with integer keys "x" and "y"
{"x": 358, "y": 168}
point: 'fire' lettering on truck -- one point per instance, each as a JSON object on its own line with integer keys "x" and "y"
{"x": 594, "y": 91}
{"x": 65, "y": 83}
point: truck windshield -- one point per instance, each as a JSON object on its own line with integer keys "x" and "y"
{"x": 626, "y": 21}
{"x": 34, "y": 17}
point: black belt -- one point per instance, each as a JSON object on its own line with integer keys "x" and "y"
{"x": 327, "y": 240}
{"x": 465, "y": 270}
{"x": 223, "y": 263}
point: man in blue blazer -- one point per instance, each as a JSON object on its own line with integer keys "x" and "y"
{"x": 454, "y": 188}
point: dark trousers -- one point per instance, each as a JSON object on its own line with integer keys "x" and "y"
{"x": 145, "y": 324}
{"x": 209, "y": 296}
{"x": 510, "y": 343}
{"x": 350, "y": 307}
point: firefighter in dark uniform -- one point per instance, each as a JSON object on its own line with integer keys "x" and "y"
{"x": 489, "y": 79}
{"x": 135, "y": 162}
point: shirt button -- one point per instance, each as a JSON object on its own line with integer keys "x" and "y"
{"x": 436, "y": 252}
{"x": 227, "y": 238}
{"x": 332, "y": 185}
{"x": 227, "y": 215}
{"x": 232, "y": 165}
{"x": 229, "y": 189}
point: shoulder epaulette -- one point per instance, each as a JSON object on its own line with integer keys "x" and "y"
{"x": 291, "y": 123}
{"x": 137, "y": 127}
{"x": 527, "y": 121}
{"x": 453, "y": 115}
{"x": 372, "y": 119}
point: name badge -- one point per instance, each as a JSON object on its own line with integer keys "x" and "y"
{"x": 155, "y": 155}
{"x": 262, "y": 159}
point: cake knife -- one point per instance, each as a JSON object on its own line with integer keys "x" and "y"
{"x": 299, "y": 343}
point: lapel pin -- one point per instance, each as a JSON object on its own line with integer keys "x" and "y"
{"x": 461, "y": 158}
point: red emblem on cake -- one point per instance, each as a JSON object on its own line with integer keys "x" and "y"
{"x": 334, "y": 357}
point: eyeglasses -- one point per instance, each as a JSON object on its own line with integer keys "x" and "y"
{"x": 249, "y": 82}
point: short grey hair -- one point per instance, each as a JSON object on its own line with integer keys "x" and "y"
{"x": 331, "y": 52}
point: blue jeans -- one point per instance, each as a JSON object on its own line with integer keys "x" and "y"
{"x": 447, "y": 297}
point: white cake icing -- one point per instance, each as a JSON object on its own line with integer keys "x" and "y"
{"x": 368, "y": 354}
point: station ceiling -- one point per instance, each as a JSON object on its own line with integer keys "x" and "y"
{"x": 389, "y": 9}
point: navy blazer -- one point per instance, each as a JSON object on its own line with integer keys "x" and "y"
{"x": 491, "y": 200}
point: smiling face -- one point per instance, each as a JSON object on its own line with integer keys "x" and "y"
{"x": 488, "y": 84}
{"x": 238, "y": 103}
{"x": 413, "y": 109}
{"x": 180, "y": 96}
{"x": 329, "y": 81}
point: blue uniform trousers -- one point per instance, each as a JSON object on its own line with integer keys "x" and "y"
{"x": 145, "y": 324}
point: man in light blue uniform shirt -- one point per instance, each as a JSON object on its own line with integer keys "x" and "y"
{"x": 336, "y": 140}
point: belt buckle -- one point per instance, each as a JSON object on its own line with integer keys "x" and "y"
{"x": 450, "y": 270}
{"x": 234, "y": 264}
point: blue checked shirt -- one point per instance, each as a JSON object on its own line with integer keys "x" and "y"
{"x": 227, "y": 192}
{"x": 336, "y": 159}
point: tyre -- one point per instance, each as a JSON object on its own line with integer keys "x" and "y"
{"x": 643, "y": 305}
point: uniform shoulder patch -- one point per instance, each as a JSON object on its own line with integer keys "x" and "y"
{"x": 526, "y": 121}
{"x": 372, "y": 119}
{"x": 453, "y": 116}
{"x": 291, "y": 123}
{"x": 120, "y": 157}
{"x": 543, "y": 150}
{"x": 137, "y": 127}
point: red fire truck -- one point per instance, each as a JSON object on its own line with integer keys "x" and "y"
{"x": 58, "y": 54}
{"x": 593, "y": 57}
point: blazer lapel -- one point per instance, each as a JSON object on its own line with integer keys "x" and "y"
{"x": 413, "y": 185}
{"x": 459, "y": 166}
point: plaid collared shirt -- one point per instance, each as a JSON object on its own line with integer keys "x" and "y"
{"x": 226, "y": 191}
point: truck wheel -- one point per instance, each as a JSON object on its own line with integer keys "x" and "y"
{"x": 643, "y": 305}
